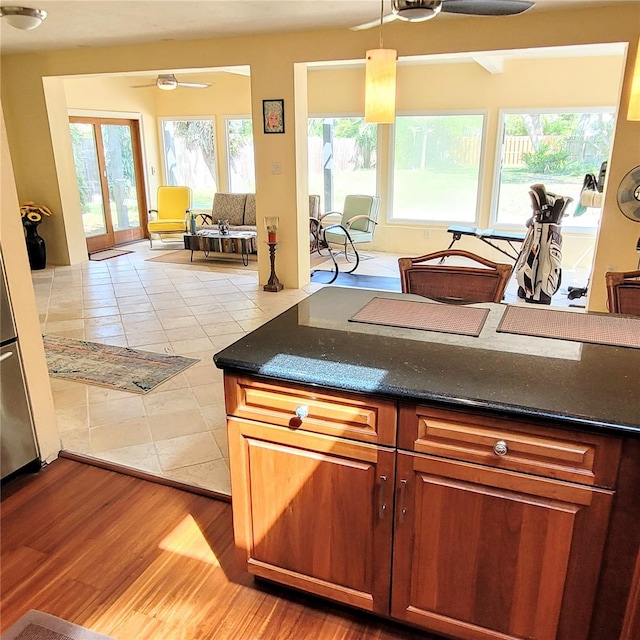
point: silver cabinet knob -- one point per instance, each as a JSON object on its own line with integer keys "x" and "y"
{"x": 302, "y": 411}
{"x": 500, "y": 448}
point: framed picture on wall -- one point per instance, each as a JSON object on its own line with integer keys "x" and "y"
{"x": 273, "y": 115}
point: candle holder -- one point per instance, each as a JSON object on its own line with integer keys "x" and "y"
{"x": 271, "y": 225}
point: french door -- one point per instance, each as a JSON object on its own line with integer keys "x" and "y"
{"x": 108, "y": 160}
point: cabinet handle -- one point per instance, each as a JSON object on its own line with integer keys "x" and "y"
{"x": 500, "y": 448}
{"x": 403, "y": 510}
{"x": 302, "y": 411}
{"x": 382, "y": 505}
{"x": 6, "y": 356}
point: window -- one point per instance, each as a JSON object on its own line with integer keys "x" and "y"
{"x": 436, "y": 167}
{"x": 190, "y": 157}
{"x": 554, "y": 149}
{"x": 240, "y": 156}
{"x": 342, "y": 159}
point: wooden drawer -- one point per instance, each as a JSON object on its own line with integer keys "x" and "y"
{"x": 332, "y": 413}
{"x": 587, "y": 458}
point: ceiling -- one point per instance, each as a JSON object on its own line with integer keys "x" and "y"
{"x": 72, "y": 24}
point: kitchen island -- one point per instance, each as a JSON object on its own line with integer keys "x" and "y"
{"x": 478, "y": 486}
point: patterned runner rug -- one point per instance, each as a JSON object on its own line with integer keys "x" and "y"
{"x": 430, "y": 316}
{"x": 36, "y": 625}
{"x": 108, "y": 366}
{"x": 610, "y": 329}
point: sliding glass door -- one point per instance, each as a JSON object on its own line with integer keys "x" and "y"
{"x": 108, "y": 160}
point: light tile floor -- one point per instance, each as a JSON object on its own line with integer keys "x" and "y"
{"x": 178, "y": 429}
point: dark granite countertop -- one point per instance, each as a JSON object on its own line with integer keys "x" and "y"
{"x": 581, "y": 385}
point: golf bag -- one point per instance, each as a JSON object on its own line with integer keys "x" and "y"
{"x": 538, "y": 268}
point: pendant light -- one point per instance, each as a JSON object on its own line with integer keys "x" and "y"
{"x": 380, "y": 82}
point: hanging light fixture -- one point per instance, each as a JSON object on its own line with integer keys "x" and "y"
{"x": 634, "y": 100}
{"x": 380, "y": 82}
{"x": 23, "y": 18}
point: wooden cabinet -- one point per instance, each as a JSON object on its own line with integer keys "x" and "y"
{"x": 311, "y": 510}
{"x": 477, "y": 527}
{"x": 485, "y": 553}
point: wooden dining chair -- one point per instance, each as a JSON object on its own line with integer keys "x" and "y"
{"x": 623, "y": 292}
{"x": 480, "y": 280}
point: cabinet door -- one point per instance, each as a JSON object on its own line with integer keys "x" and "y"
{"x": 313, "y": 512}
{"x": 485, "y": 553}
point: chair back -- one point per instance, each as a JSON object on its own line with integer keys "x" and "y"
{"x": 173, "y": 202}
{"x": 623, "y": 292}
{"x": 356, "y": 205}
{"x": 428, "y": 276}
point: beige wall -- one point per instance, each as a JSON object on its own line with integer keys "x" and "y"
{"x": 14, "y": 256}
{"x": 272, "y": 60}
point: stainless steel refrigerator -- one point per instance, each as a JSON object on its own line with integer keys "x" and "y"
{"x": 17, "y": 441}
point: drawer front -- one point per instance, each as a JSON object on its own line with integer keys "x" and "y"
{"x": 586, "y": 458}
{"x": 305, "y": 408}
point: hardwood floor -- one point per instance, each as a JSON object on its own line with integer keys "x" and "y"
{"x": 138, "y": 560}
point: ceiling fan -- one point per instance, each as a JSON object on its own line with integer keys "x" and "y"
{"x": 421, "y": 10}
{"x": 168, "y": 82}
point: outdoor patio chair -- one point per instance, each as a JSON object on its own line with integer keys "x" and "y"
{"x": 429, "y": 276}
{"x": 172, "y": 215}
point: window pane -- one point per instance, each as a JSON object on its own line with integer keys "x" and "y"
{"x": 242, "y": 173}
{"x": 556, "y": 150}
{"x": 121, "y": 176}
{"x": 342, "y": 159}
{"x": 190, "y": 158}
{"x": 85, "y": 155}
{"x": 437, "y": 167}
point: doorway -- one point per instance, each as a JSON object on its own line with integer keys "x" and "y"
{"x": 108, "y": 160}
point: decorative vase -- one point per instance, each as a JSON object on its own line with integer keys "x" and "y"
{"x": 36, "y": 248}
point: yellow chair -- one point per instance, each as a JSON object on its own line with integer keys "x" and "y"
{"x": 172, "y": 215}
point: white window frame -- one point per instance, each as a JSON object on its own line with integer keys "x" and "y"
{"x": 427, "y": 222}
{"x": 163, "y": 160}
{"x": 497, "y": 171}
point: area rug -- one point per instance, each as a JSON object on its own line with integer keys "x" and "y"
{"x": 36, "y": 625}
{"x": 358, "y": 281}
{"x": 108, "y": 366}
{"x": 609, "y": 329}
{"x": 428, "y": 316}
{"x": 217, "y": 260}
{"x": 107, "y": 254}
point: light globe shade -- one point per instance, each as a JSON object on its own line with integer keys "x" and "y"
{"x": 380, "y": 86}
{"x": 23, "y": 18}
{"x": 634, "y": 101}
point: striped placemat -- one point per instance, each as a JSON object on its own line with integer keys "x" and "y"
{"x": 615, "y": 330}
{"x": 428, "y": 316}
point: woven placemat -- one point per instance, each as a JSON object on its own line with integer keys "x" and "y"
{"x": 618, "y": 331}
{"x": 428, "y": 316}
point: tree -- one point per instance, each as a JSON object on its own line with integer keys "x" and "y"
{"x": 198, "y": 135}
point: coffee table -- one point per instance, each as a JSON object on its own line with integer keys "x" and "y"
{"x": 211, "y": 240}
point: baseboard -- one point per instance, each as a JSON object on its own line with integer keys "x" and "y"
{"x": 144, "y": 475}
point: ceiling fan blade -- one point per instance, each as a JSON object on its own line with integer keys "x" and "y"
{"x": 486, "y": 7}
{"x": 194, "y": 85}
{"x": 375, "y": 23}
{"x": 142, "y": 86}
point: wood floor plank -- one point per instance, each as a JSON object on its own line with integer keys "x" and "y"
{"x": 137, "y": 560}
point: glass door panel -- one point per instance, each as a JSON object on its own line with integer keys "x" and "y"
{"x": 121, "y": 177}
{"x": 85, "y": 156}
{"x": 108, "y": 159}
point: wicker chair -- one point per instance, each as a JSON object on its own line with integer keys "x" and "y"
{"x": 623, "y": 292}
{"x": 429, "y": 276}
